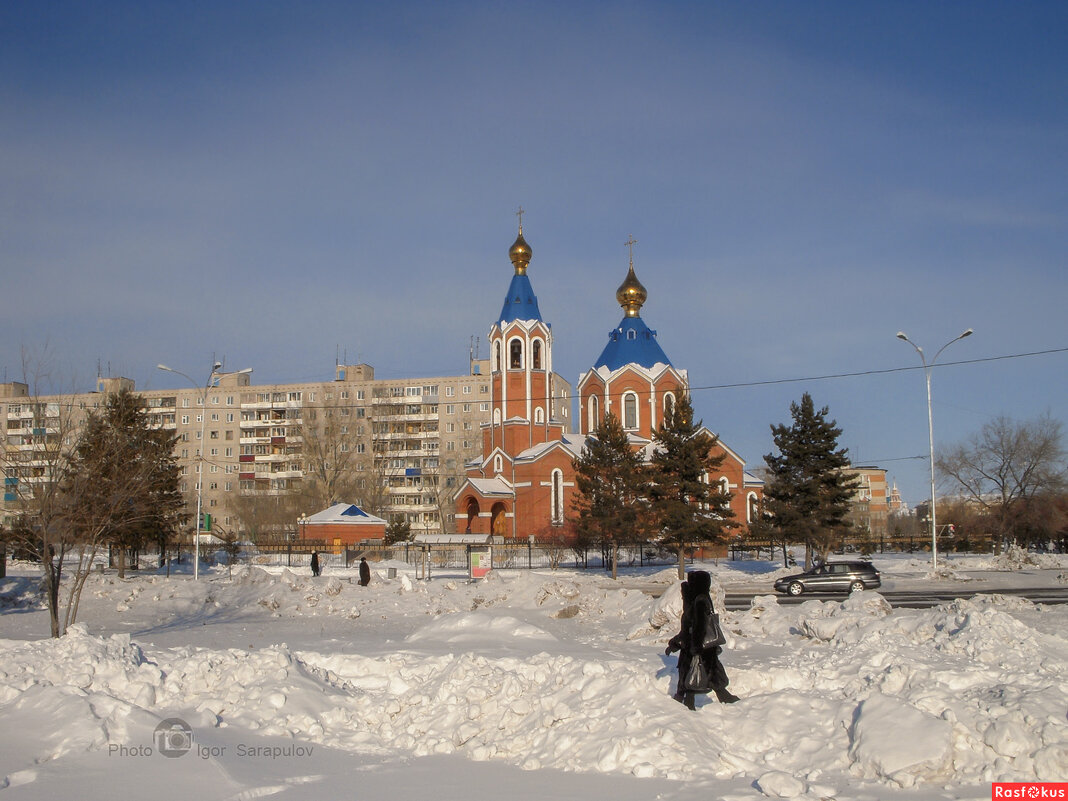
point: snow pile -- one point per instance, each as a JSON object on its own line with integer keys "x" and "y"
{"x": 562, "y": 671}
{"x": 947, "y": 572}
{"x": 1015, "y": 558}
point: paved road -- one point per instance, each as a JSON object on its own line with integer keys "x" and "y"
{"x": 914, "y": 599}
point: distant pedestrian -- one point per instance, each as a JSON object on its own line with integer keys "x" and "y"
{"x": 315, "y": 563}
{"x": 681, "y": 641}
{"x": 365, "y": 572}
{"x": 700, "y": 583}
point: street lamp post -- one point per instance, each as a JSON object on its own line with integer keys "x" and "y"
{"x": 200, "y": 464}
{"x": 930, "y": 429}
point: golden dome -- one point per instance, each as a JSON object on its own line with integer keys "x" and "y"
{"x": 520, "y": 254}
{"x": 631, "y": 294}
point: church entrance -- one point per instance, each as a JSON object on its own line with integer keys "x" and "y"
{"x": 499, "y": 518}
{"x": 472, "y": 512}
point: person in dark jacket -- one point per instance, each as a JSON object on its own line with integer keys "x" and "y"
{"x": 700, "y": 583}
{"x": 365, "y": 572}
{"x": 681, "y": 641}
{"x": 315, "y": 563}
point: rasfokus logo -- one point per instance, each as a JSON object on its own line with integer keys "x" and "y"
{"x": 1029, "y": 791}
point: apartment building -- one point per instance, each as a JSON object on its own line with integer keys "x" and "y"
{"x": 411, "y": 437}
{"x": 869, "y": 507}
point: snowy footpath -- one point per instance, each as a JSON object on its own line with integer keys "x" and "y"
{"x": 526, "y": 685}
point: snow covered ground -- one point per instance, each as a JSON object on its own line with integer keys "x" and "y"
{"x": 528, "y": 685}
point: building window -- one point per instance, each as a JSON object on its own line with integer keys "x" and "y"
{"x": 496, "y": 416}
{"x": 669, "y": 404}
{"x": 498, "y": 464}
{"x": 539, "y": 415}
{"x": 496, "y": 357}
{"x": 557, "y": 498}
{"x": 593, "y": 414}
{"x": 752, "y": 508}
{"x": 535, "y": 355}
{"x": 467, "y": 389}
{"x": 630, "y": 410}
{"x": 515, "y": 354}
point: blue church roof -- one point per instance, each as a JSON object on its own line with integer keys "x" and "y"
{"x": 520, "y": 303}
{"x": 632, "y": 342}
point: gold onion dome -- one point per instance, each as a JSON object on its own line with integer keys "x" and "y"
{"x": 631, "y": 294}
{"x": 520, "y": 254}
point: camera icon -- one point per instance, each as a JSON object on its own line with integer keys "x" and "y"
{"x": 173, "y": 737}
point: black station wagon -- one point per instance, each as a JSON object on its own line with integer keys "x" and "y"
{"x": 832, "y": 577}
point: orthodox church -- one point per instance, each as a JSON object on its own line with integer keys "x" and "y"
{"x": 524, "y": 484}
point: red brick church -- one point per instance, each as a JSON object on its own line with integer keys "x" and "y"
{"x": 525, "y": 483}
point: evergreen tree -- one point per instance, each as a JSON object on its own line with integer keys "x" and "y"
{"x": 687, "y": 508}
{"x": 608, "y": 478}
{"x": 122, "y": 483}
{"x": 808, "y": 493}
{"x": 398, "y": 530}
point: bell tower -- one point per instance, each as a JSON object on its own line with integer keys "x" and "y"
{"x": 521, "y": 364}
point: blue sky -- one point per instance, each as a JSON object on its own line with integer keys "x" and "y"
{"x": 272, "y": 182}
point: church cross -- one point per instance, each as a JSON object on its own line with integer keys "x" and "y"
{"x": 630, "y": 243}
{"x": 519, "y": 214}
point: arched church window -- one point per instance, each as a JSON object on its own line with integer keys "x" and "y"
{"x": 535, "y": 355}
{"x": 632, "y": 334}
{"x": 498, "y": 464}
{"x": 630, "y": 410}
{"x": 497, "y": 416}
{"x": 752, "y": 508}
{"x": 724, "y": 485}
{"x": 515, "y": 354}
{"x": 539, "y": 415}
{"x": 497, "y": 357}
{"x": 557, "y": 499}
{"x": 669, "y": 404}
{"x": 593, "y": 414}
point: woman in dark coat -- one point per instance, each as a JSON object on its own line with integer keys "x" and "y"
{"x": 365, "y": 572}
{"x": 681, "y": 641}
{"x": 700, "y": 583}
{"x": 315, "y": 563}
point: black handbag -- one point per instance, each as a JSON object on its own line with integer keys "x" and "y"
{"x": 698, "y": 679}
{"x": 713, "y": 632}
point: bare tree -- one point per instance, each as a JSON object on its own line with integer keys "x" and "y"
{"x": 36, "y": 458}
{"x": 334, "y": 454}
{"x": 265, "y": 516}
{"x": 1007, "y": 468}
